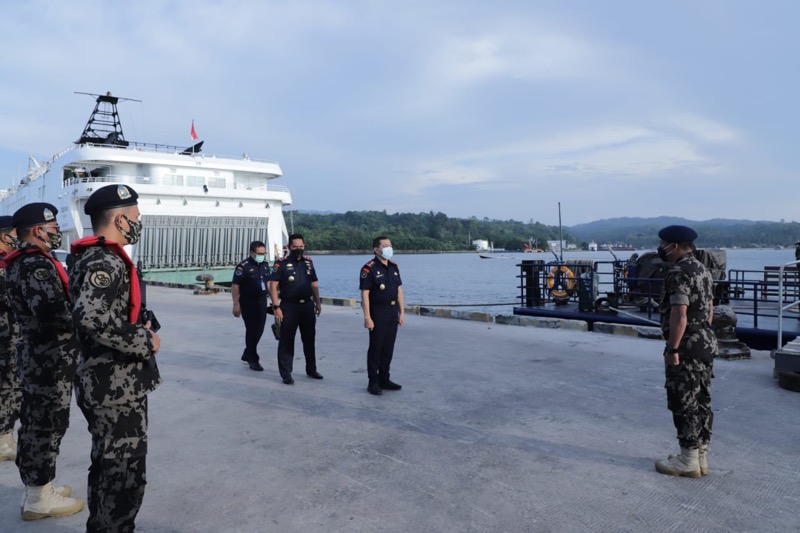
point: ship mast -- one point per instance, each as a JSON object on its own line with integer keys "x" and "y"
{"x": 104, "y": 126}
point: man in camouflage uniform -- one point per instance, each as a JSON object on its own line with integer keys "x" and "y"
{"x": 687, "y": 309}
{"x": 118, "y": 368}
{"x": 10, "y": 394}
{"x": 47, "y": 357}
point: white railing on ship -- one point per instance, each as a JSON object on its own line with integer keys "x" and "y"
{"x": 172, "y": 149}
{"x": 783, "y": 308}
{"x": 146, "y": 180}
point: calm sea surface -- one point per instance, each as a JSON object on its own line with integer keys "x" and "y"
{"x": 462, "y": 279}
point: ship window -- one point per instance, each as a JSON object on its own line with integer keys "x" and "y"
{"x": 172, "y": 179}
{"x": 195, "y": 181}
{"x": 216, "y": 183}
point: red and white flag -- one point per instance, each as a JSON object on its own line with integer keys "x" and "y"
{"x": 194, "y": 133}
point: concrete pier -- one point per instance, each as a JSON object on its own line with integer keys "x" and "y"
{"x": 498, "y": 428}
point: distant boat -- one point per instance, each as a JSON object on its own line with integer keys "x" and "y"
{"x": 495, "y": 256}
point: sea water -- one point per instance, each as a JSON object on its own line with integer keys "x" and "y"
{"x": 464, "y": 280}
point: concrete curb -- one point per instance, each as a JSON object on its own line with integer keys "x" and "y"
{"x": 643, "y": 332}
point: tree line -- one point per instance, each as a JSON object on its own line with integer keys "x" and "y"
{"x": 354, "y": 230}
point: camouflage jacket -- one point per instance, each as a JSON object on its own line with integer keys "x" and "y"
{"x": 118, "y": 363}
{"x": 689, "y": 283}
{"x": 9, "y": 329}
{"x": 41, "y": 308}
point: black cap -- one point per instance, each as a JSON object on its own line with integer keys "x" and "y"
{"x": 677, "y": 234}
{"x": 34, "y": 215}
{"x": 6, "y": 222}
{"x": 110, "y": 197}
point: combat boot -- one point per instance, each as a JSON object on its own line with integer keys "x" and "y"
{"x": 8, "y": 447}
{"x": 685, "y": 464}
{"x": 43, "y": 501}
{"x": 702, "y": 458}
{"x": 387, "y": 384}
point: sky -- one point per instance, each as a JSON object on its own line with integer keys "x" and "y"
{"x": 471, "y": 108}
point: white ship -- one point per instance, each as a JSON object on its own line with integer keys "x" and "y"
{"x": 199, "y": 211}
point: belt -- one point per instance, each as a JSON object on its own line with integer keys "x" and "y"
{"x": 295, "y": 300}
{"x": 393, "y": 302}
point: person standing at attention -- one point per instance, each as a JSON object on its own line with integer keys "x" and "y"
{"x": 47, "y": 357}
{"x": 687, "y": 310}
{"x": 118, "y": 368}
{"x": 249, "y": 290}
{"x": 382, "y": 305}
{"x": 9, "y": 334}
{"x": 294, "y": 281}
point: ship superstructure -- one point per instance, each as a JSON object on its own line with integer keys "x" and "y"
{"x": 199, "y": 210}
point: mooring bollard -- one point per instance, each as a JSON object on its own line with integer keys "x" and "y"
{"x": 208, "y": 284}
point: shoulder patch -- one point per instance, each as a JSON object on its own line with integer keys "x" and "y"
{"x": 41, "y": 274}
{"x": 100, "y": 278}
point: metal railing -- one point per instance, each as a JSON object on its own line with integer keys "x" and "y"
{"x": 783, "y": 308}
{"x": 166, "y": 182}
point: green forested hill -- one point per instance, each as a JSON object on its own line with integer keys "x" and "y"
{"x": 715, "y": 232}
{"x": 354, "y": 230}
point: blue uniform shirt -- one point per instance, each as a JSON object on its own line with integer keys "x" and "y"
{"x": 251, "y": 277}
{"x": 294, "y": 277}
{"x": 381, "y": 281}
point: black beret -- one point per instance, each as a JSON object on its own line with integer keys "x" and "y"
{"x": 6, "y": 222}
{"x": 110, "y": 197}
{"x": 677, "y": 234}
{"x": 34, "y": 215}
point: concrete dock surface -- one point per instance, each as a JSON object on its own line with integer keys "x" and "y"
{"x": 497, "y": 429}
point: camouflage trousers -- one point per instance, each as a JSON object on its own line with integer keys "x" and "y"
{"x": 689, "y": 398}
{"x": 44, "y": 418}
{"x": 117, "y": 475}
{"x": 10, "y": 393}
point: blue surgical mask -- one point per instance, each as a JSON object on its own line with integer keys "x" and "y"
{"x": 259, "y": 258}
{"x": 387, "y": 252}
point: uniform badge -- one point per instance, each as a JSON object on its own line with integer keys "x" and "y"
{"x": 396, "y": 274}
{"x": 48, "y": 215}
{"x": 364, "y": 273}
{"x": 238, "y": 271}
{"x": 383, "y": 287}
{"x": 288, "y": 265}
{"x": 41, "y": 274}
{"x": 291, "y": 278}
{"x": 100, "y": 279}
{"x": 123, "y": 192}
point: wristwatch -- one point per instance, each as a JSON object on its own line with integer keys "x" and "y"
{"x": 671, "y": 350}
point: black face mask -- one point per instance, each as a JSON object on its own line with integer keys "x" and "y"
{"x": 11, "y": 241}
{"x": 134, "y": 231}
{"x": 662, "y": 252}
{"x": 53, "y": 240}
{"x": 297, "y": 254}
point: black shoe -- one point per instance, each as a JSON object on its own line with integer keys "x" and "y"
{"x": 387, "y": 384}
{"x": 374, "y": 388}
{"x": 245, "y": 360}
{"x": 255, "y": 365}
{"x": 314, "y": 374}
{"x": 288, "y": 381}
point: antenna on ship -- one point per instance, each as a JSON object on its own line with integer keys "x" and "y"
{"x": 560, "y": 235}
{"x": 104, "y": 126}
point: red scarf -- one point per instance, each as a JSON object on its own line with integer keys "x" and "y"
{"x": 13, "y": 255}
{"x": 135, "y": 305}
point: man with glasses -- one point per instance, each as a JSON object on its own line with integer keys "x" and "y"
{"x": 48, "y": 358}
{"x": 118, "y": 368}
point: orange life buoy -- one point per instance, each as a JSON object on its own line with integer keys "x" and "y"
{"x": 564, "y": 288}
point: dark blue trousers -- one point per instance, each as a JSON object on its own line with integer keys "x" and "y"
{"x": 254, "y": 314}
{"x": 303, "y": 316}
{"x": 381, "y": 340}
